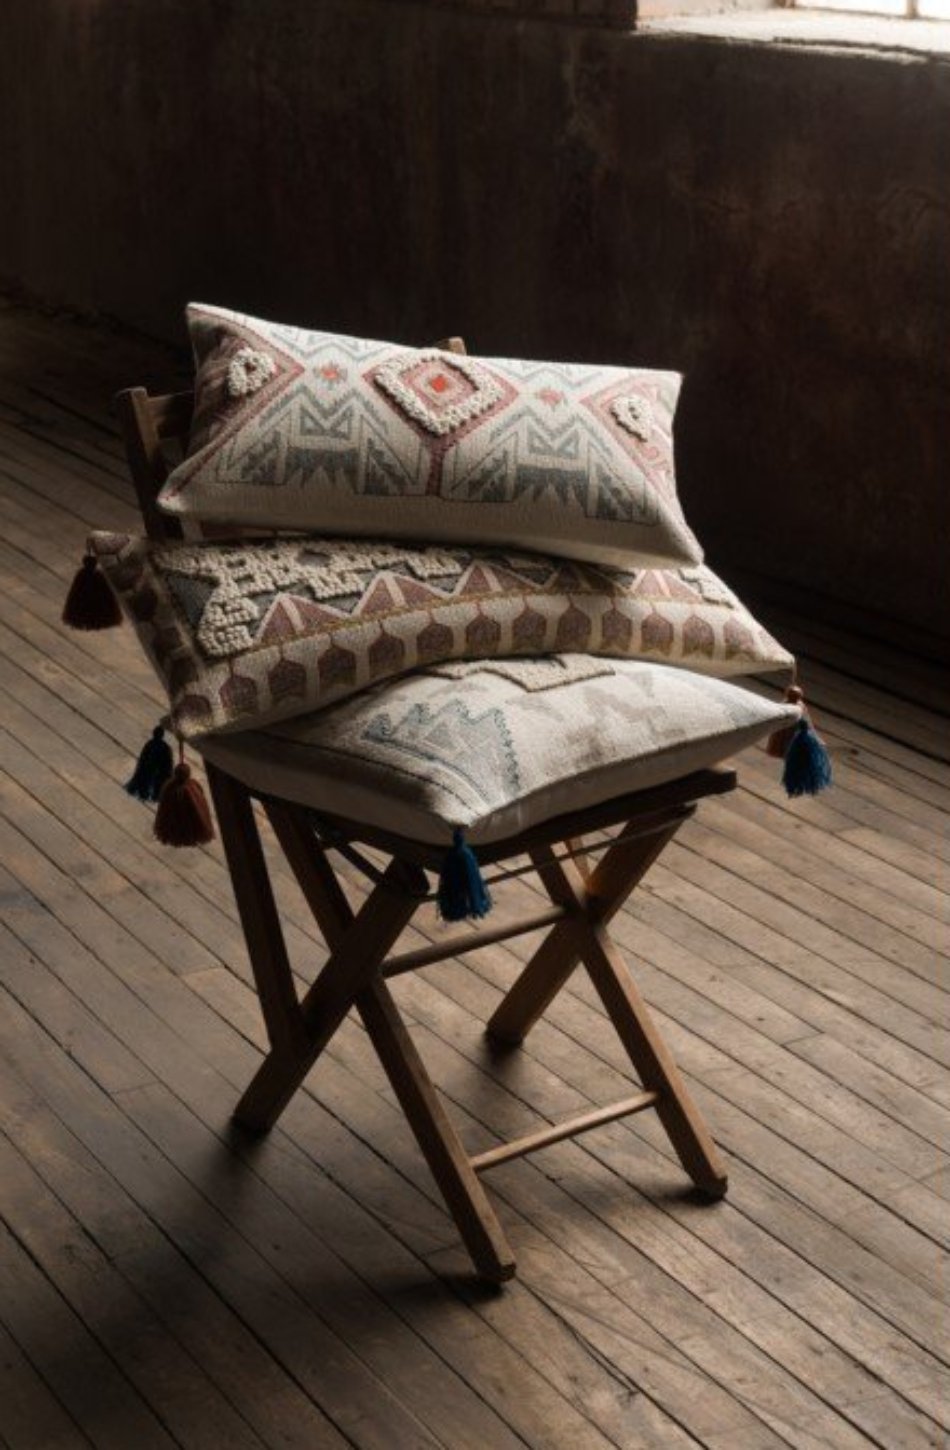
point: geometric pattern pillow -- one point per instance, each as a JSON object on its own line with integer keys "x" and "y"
{"x": 260, "y": 630}
{"x": 312, "y": 431}
{"x": 497, "y": 748}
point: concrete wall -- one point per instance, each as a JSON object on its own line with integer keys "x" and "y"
{"x": 773, "y": 221}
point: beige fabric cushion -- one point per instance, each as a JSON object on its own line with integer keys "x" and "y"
{"x": 310, "y": 430}
{"x": 256, "y": 631}
{"x": 497, "y": 746}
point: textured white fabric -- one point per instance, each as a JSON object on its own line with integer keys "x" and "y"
{"x": 250, "y": 632}
{"x": 495, "y": 752}
{"x": 310, "y": 430}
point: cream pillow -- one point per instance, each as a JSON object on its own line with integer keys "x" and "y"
{"x": 243, "y": 633}
{"x": 308, "y": 430}
{"x": 498, "y": 746}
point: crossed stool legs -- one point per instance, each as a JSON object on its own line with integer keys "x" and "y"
{"x": 583, "y": 901}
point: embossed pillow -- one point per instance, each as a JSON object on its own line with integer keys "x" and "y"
{"x": 498, "y": 746}
{"x": 311, "y": 431}
{"x": 254, "y": 631}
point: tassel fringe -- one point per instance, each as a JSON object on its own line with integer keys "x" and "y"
{"x": 90, "y": 603}
{"x": 807, "y": 769}
{"x": 807, "y": 763}
{"x": 153, "y": 768}
{"x": 183, "y": 817}
{"x": 462, "y": 894}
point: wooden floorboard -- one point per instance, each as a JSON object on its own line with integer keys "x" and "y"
{"x": 164, "y": 1282}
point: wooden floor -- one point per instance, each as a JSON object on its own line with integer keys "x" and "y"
{"x": 161, "y": 1283}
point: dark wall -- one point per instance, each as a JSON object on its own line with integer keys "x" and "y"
{"x": 772, "y": 220}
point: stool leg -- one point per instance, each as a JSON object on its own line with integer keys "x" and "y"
{"x": 449, "y": 1163}
{"x": 352, "y": 963}
{"x": 648, "y": 1053}
{"x": 257, "y": 909}
{"x": 604, "y": 892}
{"x": 441, "y": 1146}
{"x": 653, "y": 1062}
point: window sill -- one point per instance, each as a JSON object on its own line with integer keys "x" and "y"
{"x": 825, "y": 30}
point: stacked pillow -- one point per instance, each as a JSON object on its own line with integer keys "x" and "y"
{"x": 264, "y": 629}
{"x": 498, "y": 746}
{"x": 308, "y": 430}
{"x": 492, "y": 530}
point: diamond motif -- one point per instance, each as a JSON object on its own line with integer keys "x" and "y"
{"x": 552, "y": 397}
{"x": 441, "y": 394}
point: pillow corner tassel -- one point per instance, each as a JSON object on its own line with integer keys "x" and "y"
{"x": 807, "y": 764}
{"x": 462, "y": 893}
{"x": 153, "y": 769}
{"x": 807, "y": 769}
{"x": 183, "y": 817}
{"x": 90, "y": 603}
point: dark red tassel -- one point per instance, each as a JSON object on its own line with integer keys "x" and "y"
{"x": 90, "y": 603}
{"x": 183, "y": 817}
{"x": 779, "y": 741}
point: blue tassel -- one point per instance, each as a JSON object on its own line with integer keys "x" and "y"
{"x": 807, "y": 763}
{"x": 462, "y": 894}
{"x": 153, "y": 768}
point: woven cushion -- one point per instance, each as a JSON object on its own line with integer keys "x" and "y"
{"x": 308, "y": 430}
{"x": 255, "y": 631}
{"x": 498, "y": 746}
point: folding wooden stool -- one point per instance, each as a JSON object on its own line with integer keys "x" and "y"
{"x": 584, "y": 897}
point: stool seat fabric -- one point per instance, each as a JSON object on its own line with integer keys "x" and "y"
{"x": 498, "y": 746}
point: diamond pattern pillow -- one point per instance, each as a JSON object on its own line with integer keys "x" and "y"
{"x": 247, "y": 632}
{"x": 311, "y": 431}
{"x": 497, "y": 747}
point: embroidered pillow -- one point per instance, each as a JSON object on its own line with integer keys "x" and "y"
{"x": 259, "y": 630}
{"x": 497, "y": 747}
{"x": 311, "y": 431}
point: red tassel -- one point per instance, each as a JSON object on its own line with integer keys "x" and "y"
{"x": 90, "y": 603}
{"x": 183, "y": 817}
{"x": 778, "y": 742}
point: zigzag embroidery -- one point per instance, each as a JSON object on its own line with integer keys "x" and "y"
{"x": 571, "y": 376}
{"x": 237, "y": 598}
{"x": 477, "y": 749}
